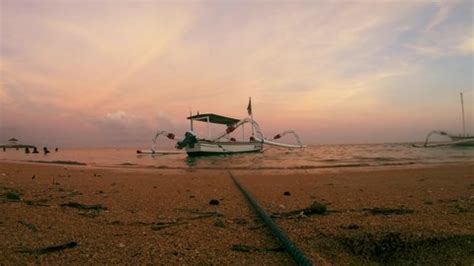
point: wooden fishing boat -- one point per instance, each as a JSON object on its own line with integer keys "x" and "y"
{"x": 196, "y": 146}
{"x": 455, "y": 140}
{"x": 223, "y": 143}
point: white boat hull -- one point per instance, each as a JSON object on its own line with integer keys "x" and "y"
{"x": 202, "y": 148}
{"x": 462, "y": 141}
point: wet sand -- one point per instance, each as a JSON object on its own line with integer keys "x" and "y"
{"x": 398, "y": 215}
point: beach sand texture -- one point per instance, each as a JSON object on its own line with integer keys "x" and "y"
{"x": 397, "y": 215}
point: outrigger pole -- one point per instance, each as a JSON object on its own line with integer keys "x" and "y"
{"x": 463, "y": 122}
{"x": 260, "y": 138}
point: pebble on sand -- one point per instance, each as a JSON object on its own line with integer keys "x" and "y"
{"x": 214, "y": 202}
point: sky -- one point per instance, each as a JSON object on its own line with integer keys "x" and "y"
{"x": 100, "y": 73}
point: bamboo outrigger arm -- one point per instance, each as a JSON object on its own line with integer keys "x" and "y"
{"x": 167, "y": 134}
{"x": 454, "y": 140}
{"x": 437, "y": 132}
{"x": 291, "y": 132}
{"x": 259, "y": 135}
{"x": 460, "y": 140}
{"x": 233, "y": 127}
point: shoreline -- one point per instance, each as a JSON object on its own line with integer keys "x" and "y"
{"x": 282, "y": 170}
{"x": 164, "y": 216}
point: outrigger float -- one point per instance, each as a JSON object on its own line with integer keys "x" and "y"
{"x": 223, "y": 143}
{"x": 456, "y": 140}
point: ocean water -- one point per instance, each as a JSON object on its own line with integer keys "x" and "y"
{"x": 312, "y": 157}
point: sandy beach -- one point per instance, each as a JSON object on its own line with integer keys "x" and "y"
{"x": 126, "y": 215}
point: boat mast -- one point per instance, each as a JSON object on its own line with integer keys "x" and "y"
{"x": 463, "y": 122}
{"x": 208, "y": 131}
{"x": 191, "y": 120}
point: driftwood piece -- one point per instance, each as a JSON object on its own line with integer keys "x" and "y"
{"x": 162, "y": 225}
{"x": 389, "y": 211}
{"x": 49, "y": 249}
{"x": 95, "y": 207}
{"x": 40, "y": 202}
{"x": 201, "y": 214}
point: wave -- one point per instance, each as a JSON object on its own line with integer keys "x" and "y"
{"x": 296, "y": 167}
{"x": 379, "y": 158}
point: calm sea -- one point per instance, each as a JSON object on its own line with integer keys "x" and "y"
{"x": 312, "y": 157}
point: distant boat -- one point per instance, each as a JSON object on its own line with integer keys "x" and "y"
{"x": 223, "y": 143}
{"x": 456, "y": 140}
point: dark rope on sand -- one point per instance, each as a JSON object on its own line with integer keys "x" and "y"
{"x": 297, "y": 255}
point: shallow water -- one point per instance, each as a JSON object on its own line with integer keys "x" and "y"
{"x": 317, "y": 156}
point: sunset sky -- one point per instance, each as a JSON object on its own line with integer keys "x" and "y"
{"x": 111, "y": 73}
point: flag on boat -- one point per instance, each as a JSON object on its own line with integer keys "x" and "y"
{"x": 249, "y": 107}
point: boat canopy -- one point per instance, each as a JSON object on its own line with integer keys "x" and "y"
{"x": 215, "y": 119}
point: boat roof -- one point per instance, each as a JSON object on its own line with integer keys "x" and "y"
{"x": 215, "y": 119}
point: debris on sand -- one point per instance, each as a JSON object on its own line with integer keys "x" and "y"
{"x": 395, "y": 248}
{"x": 58, "y": 162}
{"x": 206, "y": 215}
{"x": 201, "y": 214}
{"x": 246, "y": 248}
{"x": 350, "y": 226}
{"x": 39, "y": 202}
{"x": 90, "y": 211}
{"x": 219, "y": 223}
{"x": 49, "y": 249}
{"x": 314, "y": 209}
{"x": 13, "y": 196}
{"x": 255, "y": 227}
{"x": 162, "y": 225}
{"x": 73, "y": 193}
{"x": 32, "y": 227}
{"x": 95, "y": 207}
{"x": 389, "y": 211}
{"x": 287, "y": 193}
{"x": 463, "y": 208}
{"x": 240, "y": 221}
{"x": 243, "y": 248}
{"x": 184, "y": 220}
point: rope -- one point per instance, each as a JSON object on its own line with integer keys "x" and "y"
{"x": 293, "y": 250}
